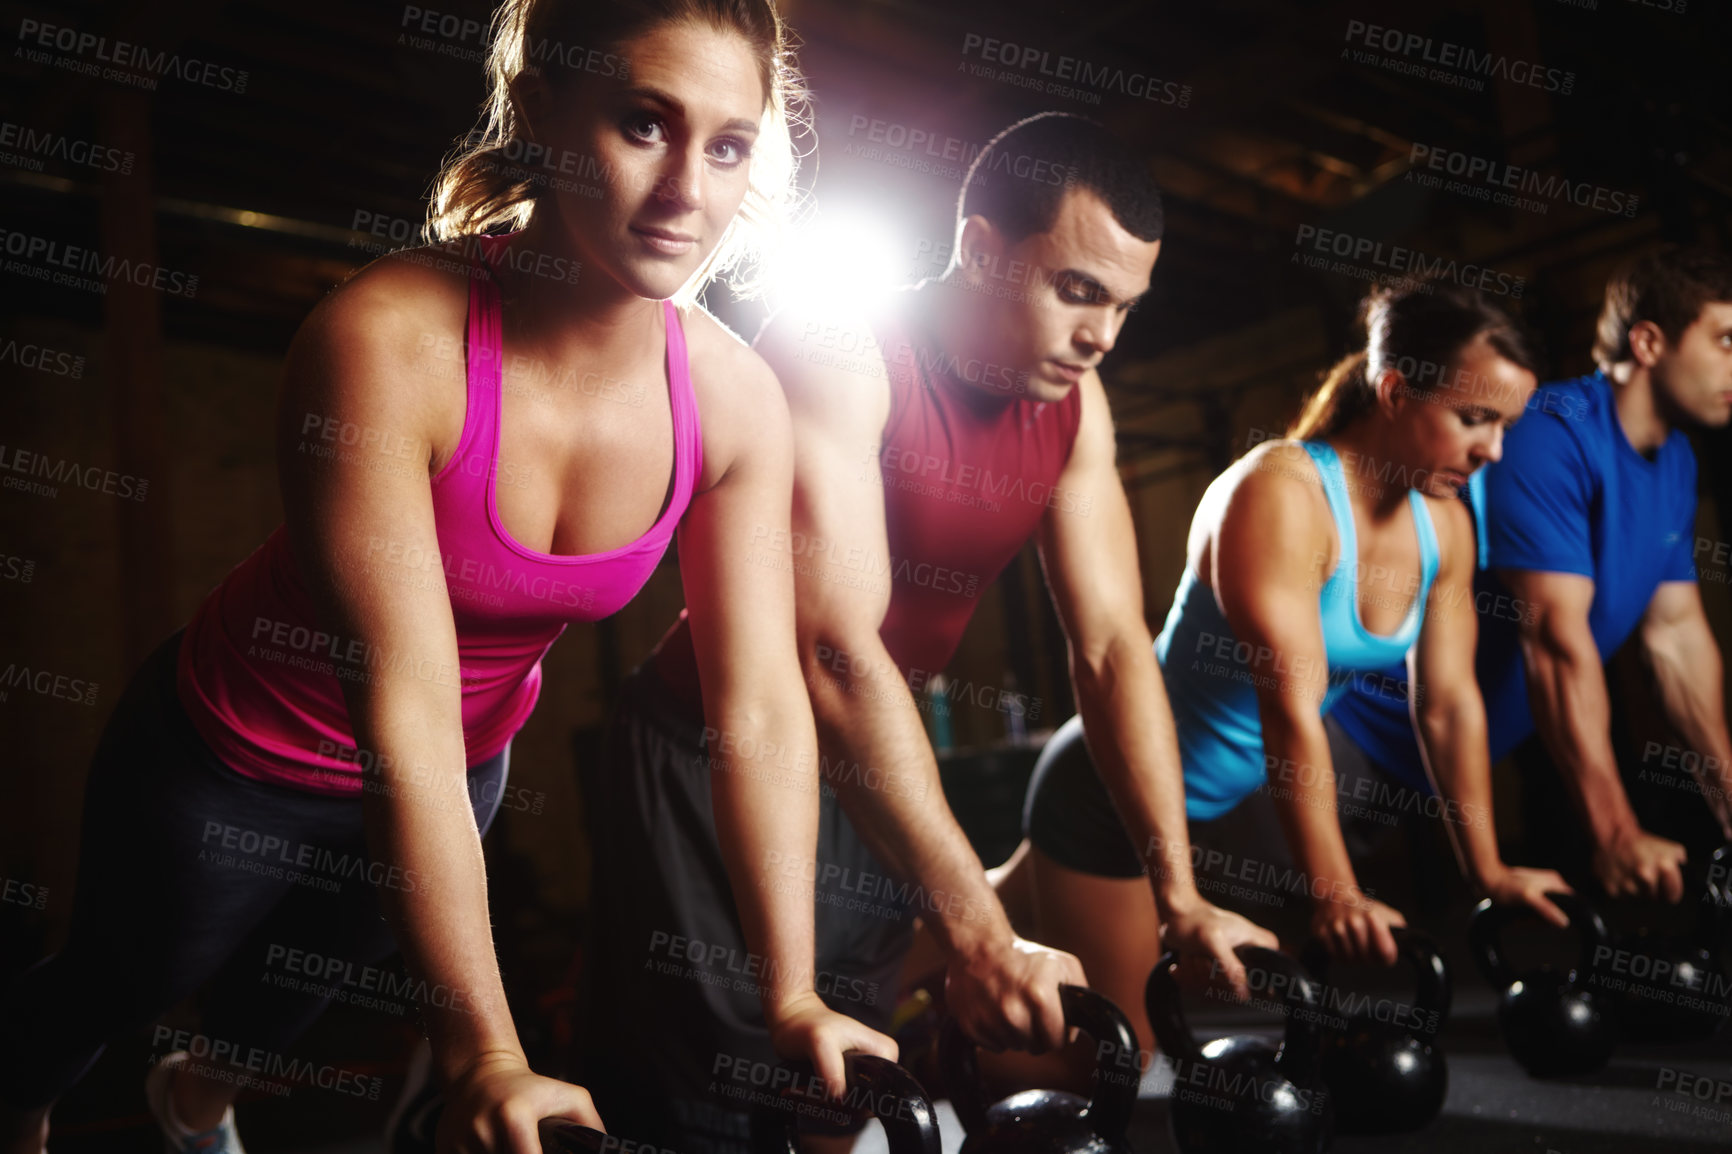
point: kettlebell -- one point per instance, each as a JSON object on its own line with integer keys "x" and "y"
{"x": 1674, "y": 988}
{"x": 1384, "y": 1067}
{"x": 1552, "y": 1023}
{"x": 876, "y": 1086}
{"x": 1050, "y": 1121}
{"x": 1243, "y": 1092}
{"x": 559, "y": 1136}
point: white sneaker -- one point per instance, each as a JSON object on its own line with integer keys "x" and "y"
{"x": 177, "y": 1139}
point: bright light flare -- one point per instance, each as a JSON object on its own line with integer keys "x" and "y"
{"x": 841, "y": 257}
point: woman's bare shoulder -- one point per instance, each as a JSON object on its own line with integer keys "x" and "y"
{"x": 411, "y": 297}
{"x": 386, "y": 345}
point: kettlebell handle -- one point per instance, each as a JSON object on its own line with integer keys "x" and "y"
{"x": 1109, "y": 1110}
{"x": 1485, "y": 934}
{"x": 911, "y": 1125}
{"x": 1433, "y": 990}
{"x": 561, "y": 1136}
{"x": 1302, "y": 1042}
{"x": 1713, "y": 925}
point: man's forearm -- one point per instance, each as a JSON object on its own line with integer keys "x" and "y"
{"x": 1129, "y": 724}
{"x": 1688, "y": 672}
{"x": 878, "y": 760}
{"x": 1567, "y": 693}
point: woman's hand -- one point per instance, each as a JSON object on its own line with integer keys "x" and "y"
{"x": 804, "y": 1027}
{"x": 1355, "y": 928}
{"x": 495, "y": 1105}
{"x": 1205, "y": 936}
{"x": 1513, "y": 885}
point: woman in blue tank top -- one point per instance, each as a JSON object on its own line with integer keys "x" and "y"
{"x": 1311, "y": 561}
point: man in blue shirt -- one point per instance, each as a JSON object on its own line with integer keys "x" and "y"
{"x": 1587, "y": 527}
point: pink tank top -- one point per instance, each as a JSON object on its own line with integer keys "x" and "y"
{"x": 260, "y": 678}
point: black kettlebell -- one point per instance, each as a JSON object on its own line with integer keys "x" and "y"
{"x": 1050, "y": 1121}
{"x": 559, "y": 1136}
{"x": 1245, "y": 1093}
{"x": 876, "y": 1086}
{"x": 1673, "y": 987}
{"x": 1383, "y": 1065}
{"x": 1552, "y": 1022}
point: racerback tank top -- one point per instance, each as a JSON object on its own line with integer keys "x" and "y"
{"x": 1209, "y": 675}
{"x": 259, "y": 676}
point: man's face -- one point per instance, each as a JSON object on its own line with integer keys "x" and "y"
{"x": 1055, "y": 301}
{"x": 1694, "y": 376}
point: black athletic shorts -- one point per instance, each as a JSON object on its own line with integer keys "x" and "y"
{"x": 673, "y": 1043}
{"x": 1241, "y": 860}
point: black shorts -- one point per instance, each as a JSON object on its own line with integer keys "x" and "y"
{"x": 673, "y": 1043}
{"x": 1240, "y": 859}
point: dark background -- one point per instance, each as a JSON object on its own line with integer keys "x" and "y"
{"x": 257, "y": 188}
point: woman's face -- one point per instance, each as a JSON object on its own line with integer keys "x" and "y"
{"x": 1444, "y": 433}
{"x": 668, "y": 148}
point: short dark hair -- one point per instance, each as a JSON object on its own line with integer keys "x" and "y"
{"x": 1669, "y": 286}
{"x": 1019, "y": 179}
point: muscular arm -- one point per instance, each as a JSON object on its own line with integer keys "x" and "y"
{"x": 1267, "y": 568}
{"x": 865, "y": 712}
{"x": 764, "y": 756}
{"x": 361, "y": 528}
{"x": 1449, "y": 717}
{"x": 1572, "y": 713}
{"x": 1088, "y": 550}
{"x": 1688, "y": 671}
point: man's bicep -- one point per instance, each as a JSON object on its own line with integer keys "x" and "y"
{"x": 1087, "y": 538}
{"x": 839, "y": 545}
{"x": 838, "y": 542}
{"x": 1555, "y": 605}
{"x": 1675, "y": 603}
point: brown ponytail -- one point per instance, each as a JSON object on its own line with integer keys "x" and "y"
{"x": 1343, "y": 395}
{"x": 1417, "y": 331}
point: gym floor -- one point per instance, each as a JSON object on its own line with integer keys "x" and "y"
{"x": 1493, "y": 1106}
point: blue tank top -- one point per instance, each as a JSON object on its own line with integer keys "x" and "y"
{"x": 1210, "y": 675}
{"x": 1570, "y": 496}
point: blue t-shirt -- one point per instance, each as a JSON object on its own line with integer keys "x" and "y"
{"x": 1569, "y": 496}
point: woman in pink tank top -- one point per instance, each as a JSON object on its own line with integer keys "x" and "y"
{"x": 370, "y": 662}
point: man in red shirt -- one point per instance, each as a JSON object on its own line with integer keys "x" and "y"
{"x": 933, "y": 439}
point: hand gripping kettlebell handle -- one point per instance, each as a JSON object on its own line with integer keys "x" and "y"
{"x": 1433, "y": 990}
{"x": 1109, "y": 1111}
{"x": 897, "y": 1100}
{"x": 1485, "y": 934}
{"x": 561, "y": 1136}
{"x": 1302, "y": 1043}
